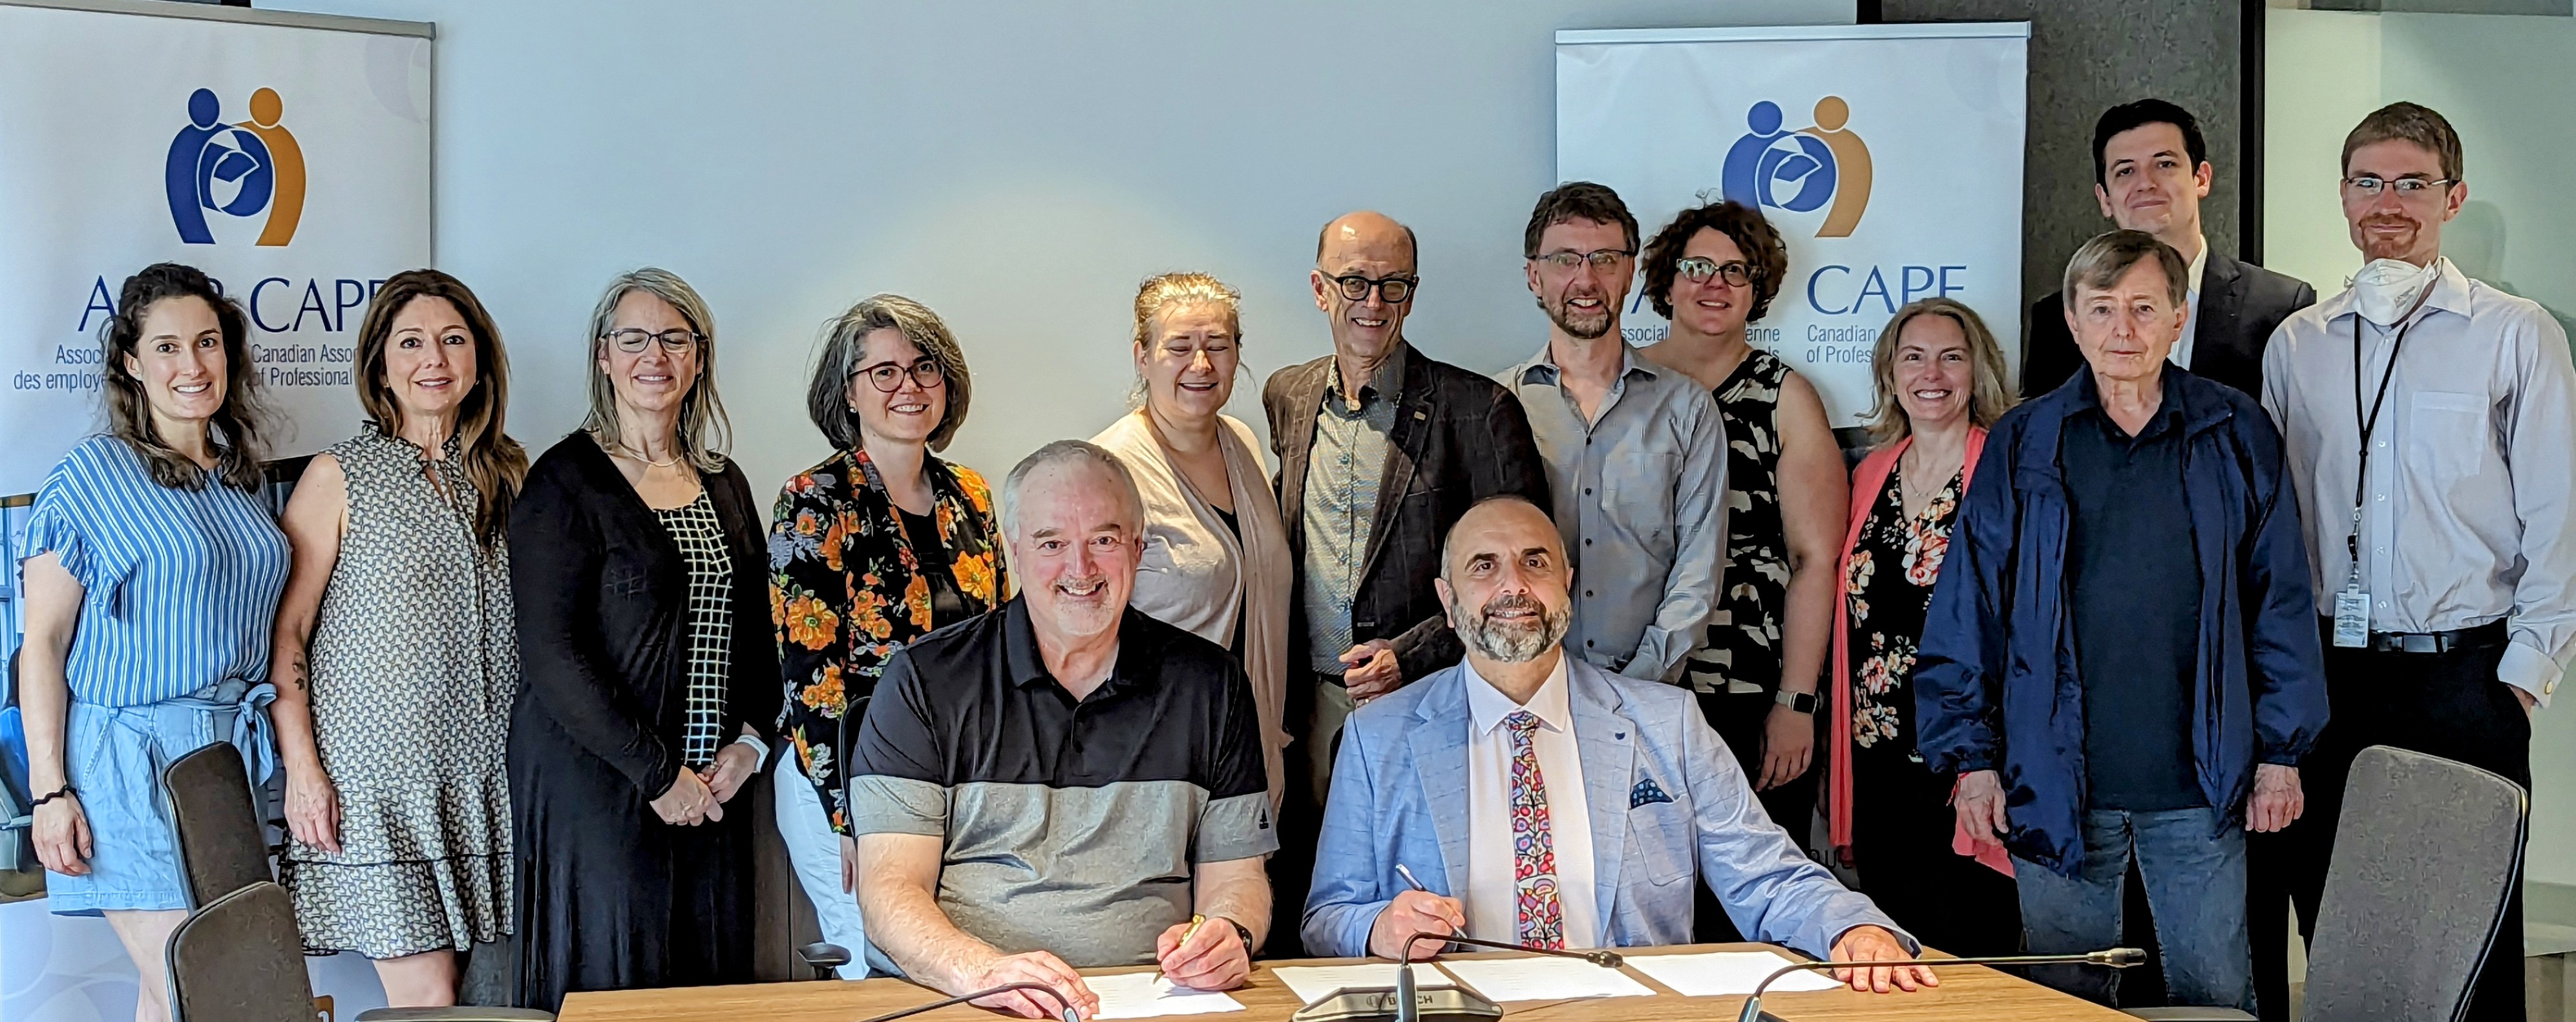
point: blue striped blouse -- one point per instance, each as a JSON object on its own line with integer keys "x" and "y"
{"x": 181, "y": 586}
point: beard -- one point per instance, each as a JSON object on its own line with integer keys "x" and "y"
{"x": 1578, "y": 325}
{"x": 1515, "y": 642}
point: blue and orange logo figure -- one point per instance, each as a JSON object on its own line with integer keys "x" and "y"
{"x": 1800, "y": 171}
{"x": 235, "y": 169}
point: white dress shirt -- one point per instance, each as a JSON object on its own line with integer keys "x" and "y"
{"x": 2469, "y": 515}
{"x": 2181, "y": 353}
{"x": 1493, "y": 884}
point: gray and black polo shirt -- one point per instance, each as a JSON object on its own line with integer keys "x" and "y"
{"x": 1070, "y": 827}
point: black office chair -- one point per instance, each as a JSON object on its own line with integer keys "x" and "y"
{"x": 2425, "y": 855}
{"x": 239, "y": 958}
{"x": 824, "y": 958}
{"x": 222, "y": 847}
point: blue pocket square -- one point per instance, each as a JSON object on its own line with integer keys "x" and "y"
{"x": 1647, "y": 792}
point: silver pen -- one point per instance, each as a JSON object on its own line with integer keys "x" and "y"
{"x": 1416, "y": 883}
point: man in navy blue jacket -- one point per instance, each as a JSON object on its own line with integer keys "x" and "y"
{"x": 2123, "y": 645}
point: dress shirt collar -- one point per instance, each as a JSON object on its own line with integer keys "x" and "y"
{"x": 1384, "y": 383}
{"x": 2450, "y": 294}
{"x": 2199, "y": 263}
{"x": 1541, "y": 368}
{"x": 1487, "y": 705}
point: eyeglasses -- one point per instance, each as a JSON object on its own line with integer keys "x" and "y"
{"x": 1394, "y": 289}
{"x": 887, "y": 377}
{"x": 1567, "y": 261}
{"x": 635, "y": 339}
{"x": 1698, "y": 270}
{"x": 2369, "y": 186}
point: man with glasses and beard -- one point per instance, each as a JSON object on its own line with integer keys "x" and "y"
{"x": 1528, "y": 796}
{"x": 2428, "y": 423}
{"x": 1635, "y": 454}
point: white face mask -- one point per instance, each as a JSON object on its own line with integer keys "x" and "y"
{"x": 2388, "y": 288}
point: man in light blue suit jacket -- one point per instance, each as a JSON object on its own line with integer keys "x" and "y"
{"x": 1437, "y": 778}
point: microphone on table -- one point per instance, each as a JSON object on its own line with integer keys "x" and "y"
{"x": 1064, "y": 1007}
{"x": 1407, "y": 1003}
{"x": 2113, "y": 958}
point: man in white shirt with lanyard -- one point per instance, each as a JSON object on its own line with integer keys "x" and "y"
{"x": 2431, "y": 428}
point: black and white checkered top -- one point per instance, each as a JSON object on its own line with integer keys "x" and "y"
{"x": 701, "y": 540}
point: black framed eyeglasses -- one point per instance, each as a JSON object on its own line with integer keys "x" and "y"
{"x": 887, "y": 377}
{"x": 1395, "y": 289}
{"x": 635, "y": 339}
{"x": 1698, "y": 270}
{"x": 1568, "y": 261}
{"x": 2369, "y": 186}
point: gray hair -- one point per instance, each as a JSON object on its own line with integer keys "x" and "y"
{"x": 827, "y": 399}
{"x": 704, "y": 431}
{"x": 2108, "y": 257}
{"x": 1077, "y": 452}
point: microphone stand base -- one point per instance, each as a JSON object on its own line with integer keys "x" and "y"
{"x": 1378, "y": 1004}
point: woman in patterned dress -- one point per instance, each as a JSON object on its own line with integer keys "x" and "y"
{"x": 151, "y": 583}
{"x": 1712, "y": 272}
{"x": 647, "y": 686}
{"x": 398, "y": 654}
{"x": 875, "y": 547}
{"x": 1940, "y": 384}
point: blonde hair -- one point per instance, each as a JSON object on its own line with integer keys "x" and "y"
{"x": 1164, "y": 290}
{"x": 704, "y": 431}
{"x": 1988, "y": 397}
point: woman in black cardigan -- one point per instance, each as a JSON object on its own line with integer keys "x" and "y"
{"x": 649, "y": 681}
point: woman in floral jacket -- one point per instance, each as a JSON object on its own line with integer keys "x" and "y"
{"x": 1940, "y": 383}
{"x": 875, "y": 547}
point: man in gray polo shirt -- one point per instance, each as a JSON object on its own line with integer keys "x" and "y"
{"x": 1063, "y": 783}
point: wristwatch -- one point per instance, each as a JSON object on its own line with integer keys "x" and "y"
{"x": 1242, "y": 931}
{"x": 1800, "y": 702}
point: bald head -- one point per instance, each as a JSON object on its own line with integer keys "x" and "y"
{"x": 1367, "y": 236}
{"x": 1504, "y": 581}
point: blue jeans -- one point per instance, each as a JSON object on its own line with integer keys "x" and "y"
{"x": 2194, "y": 870}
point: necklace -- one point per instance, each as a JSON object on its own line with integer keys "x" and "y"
{"x": 650, "y": 463}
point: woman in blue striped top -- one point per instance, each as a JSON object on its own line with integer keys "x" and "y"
{"x": 149, "y": 604}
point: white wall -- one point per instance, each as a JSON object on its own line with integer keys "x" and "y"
{"x": 1018, "y": 166}
{"x": 2504, "y": 82}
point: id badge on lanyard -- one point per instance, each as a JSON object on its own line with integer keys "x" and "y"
{"x": 2352, "y": 605}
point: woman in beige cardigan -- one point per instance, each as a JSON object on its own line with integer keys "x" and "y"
{"x": 1216, "y": 556}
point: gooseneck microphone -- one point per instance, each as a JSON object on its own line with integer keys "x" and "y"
{"x": 1063, "y": 1007}
{"x": 2113, "y": 958}
{"x": 1408, "y": 1008}
{"x": 1604, "y": 959}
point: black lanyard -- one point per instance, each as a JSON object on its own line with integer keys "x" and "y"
{"x": 2361, "y": 473}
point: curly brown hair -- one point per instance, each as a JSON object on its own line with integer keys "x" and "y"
{"x": 237, "y": 430}
{"x": 1764, "y": 253}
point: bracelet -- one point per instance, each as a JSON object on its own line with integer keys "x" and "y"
{"x": 58, "y": 793}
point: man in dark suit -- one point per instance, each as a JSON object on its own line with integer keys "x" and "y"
{"x": 2150, "y": 171}
{"x": 1381, "y": 449}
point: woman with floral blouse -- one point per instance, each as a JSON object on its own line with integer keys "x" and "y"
{"x": 1940, "y": 384}
{"x": 875, "y": 547}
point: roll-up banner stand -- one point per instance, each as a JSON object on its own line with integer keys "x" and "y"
{"x": 1889, "y": 157}
{"x": 288, "y": 156}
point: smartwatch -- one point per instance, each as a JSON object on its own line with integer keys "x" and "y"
{"x": 1800, "y": 702}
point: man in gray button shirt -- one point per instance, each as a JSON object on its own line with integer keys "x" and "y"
{"x": 1635, "y": 453}
{"x": 1381, "y": 449}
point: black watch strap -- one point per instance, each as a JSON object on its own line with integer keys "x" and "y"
{"x": 1242, "y": 931}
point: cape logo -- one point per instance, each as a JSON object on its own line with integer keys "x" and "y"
{"x": 237, "y": 170}
{"x": 1801, "y": 171}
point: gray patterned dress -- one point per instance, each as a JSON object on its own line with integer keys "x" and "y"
{"x": 415, "y": 661}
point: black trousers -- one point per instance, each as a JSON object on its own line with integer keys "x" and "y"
{"x": 1901, "y": 826}
{"x": 2441, "y": 704}
{"x": 1739, "y": 720}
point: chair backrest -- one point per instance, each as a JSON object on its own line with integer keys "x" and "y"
{"x": 2424, "y": 856}
{"x": 222, "y": 847}
{"x": 239, "y": 959}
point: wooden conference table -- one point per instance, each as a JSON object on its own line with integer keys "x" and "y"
{"x": 1966, "y": 992}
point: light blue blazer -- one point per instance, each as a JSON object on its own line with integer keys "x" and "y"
{"x": 1668, "y": 805}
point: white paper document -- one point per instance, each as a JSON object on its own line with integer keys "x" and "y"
{"x": 1310, "y": 982}
{"x": 1149, "y": 995}
{"x": 1726, "y": 973}
{"x": 1543, "y": 979}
